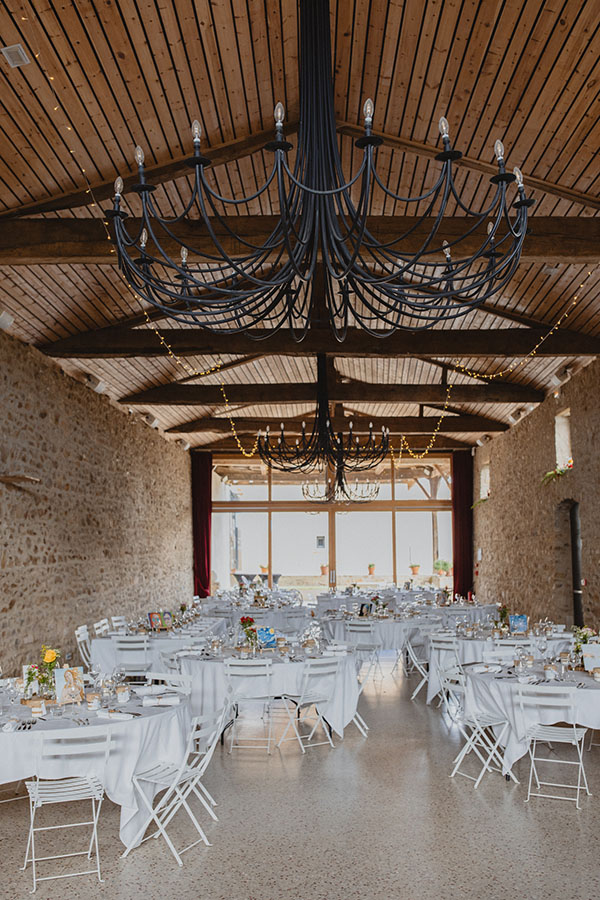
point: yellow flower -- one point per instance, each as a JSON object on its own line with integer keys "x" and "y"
{"x": 49, "y": 656}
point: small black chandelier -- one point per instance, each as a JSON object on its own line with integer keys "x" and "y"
{"x": 328, "y": 456}
{"x": 323, "y": 218}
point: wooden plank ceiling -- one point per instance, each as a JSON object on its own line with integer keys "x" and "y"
{"x": 106, "y": 76}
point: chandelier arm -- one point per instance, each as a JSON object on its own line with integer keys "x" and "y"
{"x": 498, "y": 197}
{"x": 232, "y": 200}
{"x": 444, "y": 176}
{"x": 329, "y": 192}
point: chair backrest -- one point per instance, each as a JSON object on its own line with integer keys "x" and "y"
{"x": 82, "y": 636}
{"x": 515, "y": 644}
{"x": 452, "y": 680}
{"x": 132, "y": 649}
{"x": 83, "y": 743}
{"x": 443, "y": 642}
{"x": 362, "y": 629}
{"x": 181, "y": 683}
{"x": 119, "y": 623}
{"x": 102, "y": 627}
{"x": 559, "y": 697}
{"x": 498, "y": 654}
{"x": 319, "y": 676}
{"x": 295, "y": 612}
{"x": 205, "y": 732}
{"x": 248, "y": 678}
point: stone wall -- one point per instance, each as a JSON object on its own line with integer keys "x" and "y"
{"x": 108, "y": 528}
{"x": 523, "y": 529}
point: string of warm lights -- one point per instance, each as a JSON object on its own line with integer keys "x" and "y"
{"x": 517, "y": 364}
{"x": 197, "y": 373}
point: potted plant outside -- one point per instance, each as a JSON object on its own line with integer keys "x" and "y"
{"x": 264, "y": 570}
{"x": 324, "y": 569}
{"x": 371, "y": 568}
{"x": 414, "y": 568}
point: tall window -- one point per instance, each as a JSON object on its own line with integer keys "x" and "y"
{"x": 484, "y": 481}
{"x": 263, "y": 527}
{"x": 562, "y": 438}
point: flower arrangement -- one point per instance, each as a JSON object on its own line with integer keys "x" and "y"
{"x": 44, "y": 672}
{"x": 582, "y": 636}
{"x": 503, "y": 613}
{"x": 555, "y": 474}
{"x": 247, "y": 623}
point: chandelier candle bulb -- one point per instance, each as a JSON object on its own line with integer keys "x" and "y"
{"x": 118, "y": 186}
{"x": 143, "y": 239}
{"x": 444, "y": 127}
{"x": 518, "y": 176}
{"x": 196, "y": 130}
{"x": 499, "y": 150}
{"x": 184, "y": 255}
{"x": 139, "y": 156}
{"x": 279, "y": 113}
{"x": 368, "y": 110}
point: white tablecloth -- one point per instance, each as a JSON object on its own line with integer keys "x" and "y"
{"x": 277, "y": 617}
{"x": 392, "y": 633}
{"x": 471, "y": 650}
{"x": 209, "y": 689}
{"x": 159, "y": 733}
{"x": 104, "y": 650}
{"x": 499, "y": 696}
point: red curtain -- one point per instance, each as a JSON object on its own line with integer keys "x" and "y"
{"x": 462, "y": 521}
{"x": 201, "y": 515}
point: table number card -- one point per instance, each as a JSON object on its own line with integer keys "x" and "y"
{"x": 518, "y": 624}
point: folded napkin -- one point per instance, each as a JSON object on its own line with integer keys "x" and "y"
{"x": 114, "y": 715}
{"x": 11, "y": 725}
{"x": 169, "y": 700}
{"x": 147, "y": 690}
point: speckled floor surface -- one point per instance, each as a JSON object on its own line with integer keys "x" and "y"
{"x": 375, "y": 819}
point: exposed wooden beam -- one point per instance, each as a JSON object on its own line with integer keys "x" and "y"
{"x": 219, "y": 154}
{"x": 417, "y": 442}
{"x": 468, "y": 162}
{"x": 396, "y": 425}
{"x": 206, "y": 395}
{"x": 114, "y": 342}
{"x": 46, "y": 241}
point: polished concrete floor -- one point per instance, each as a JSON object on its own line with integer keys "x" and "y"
{"x": 377, "y": 819}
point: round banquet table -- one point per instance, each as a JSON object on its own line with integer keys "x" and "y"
{"x": 158, "y": 733}
{"x": 268, "y": 617}
{"x": 471, "y": 650}
{"x": 498, "y": 695}
{"x": 209, "y": 687}
{"x": 392, "y": 633}
{"x": 104, "y": 649}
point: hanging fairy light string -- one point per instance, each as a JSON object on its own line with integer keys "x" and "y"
{"x": 518, "y": 364}
{"x": 197, "y": 373}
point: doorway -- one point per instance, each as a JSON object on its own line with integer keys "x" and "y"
{"x": 568, "y": 593}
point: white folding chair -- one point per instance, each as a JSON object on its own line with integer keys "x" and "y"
{"x": 415, "y": 650}
{"x": 483, "y": 732}
{"x": 82, "y": 636}
{"x": 101, "y": 628}
{"x": 119, "y": 623}
{"x": 172, "y": 680}
{"x": 83, "y": 743}
{"x": 443, "y": 650}
{"x": 558, "y": 702}
{"x": 295, "y": 620}
{"x": 363, "y": 639}
{"x": 132, "y": 655}
{"x": 318, "y": 685}
{"x": 178, "y": 782}
{"x": 250, "y": 680}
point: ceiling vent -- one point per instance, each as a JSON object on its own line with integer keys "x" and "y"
{"x": 15, "y": 56}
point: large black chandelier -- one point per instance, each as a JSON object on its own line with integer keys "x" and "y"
{"x": 323, "y": 218}
{"x": 329, "y": 456}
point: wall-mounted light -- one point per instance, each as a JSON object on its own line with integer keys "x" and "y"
{"x": 94, "y": 383}
{"x": 185, "y": 445}
{"x": 150, "y": 420}
{"x": 484, "y": 439}
{"x": 6, "y": 320}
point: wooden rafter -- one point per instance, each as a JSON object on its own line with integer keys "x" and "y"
{"x": 114, "y": 342}
{"x": 206, "y": 395}
{"x": 468, "y": 162}
{"x": 396, "y": 424}
{"x": 26, "y": 242}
